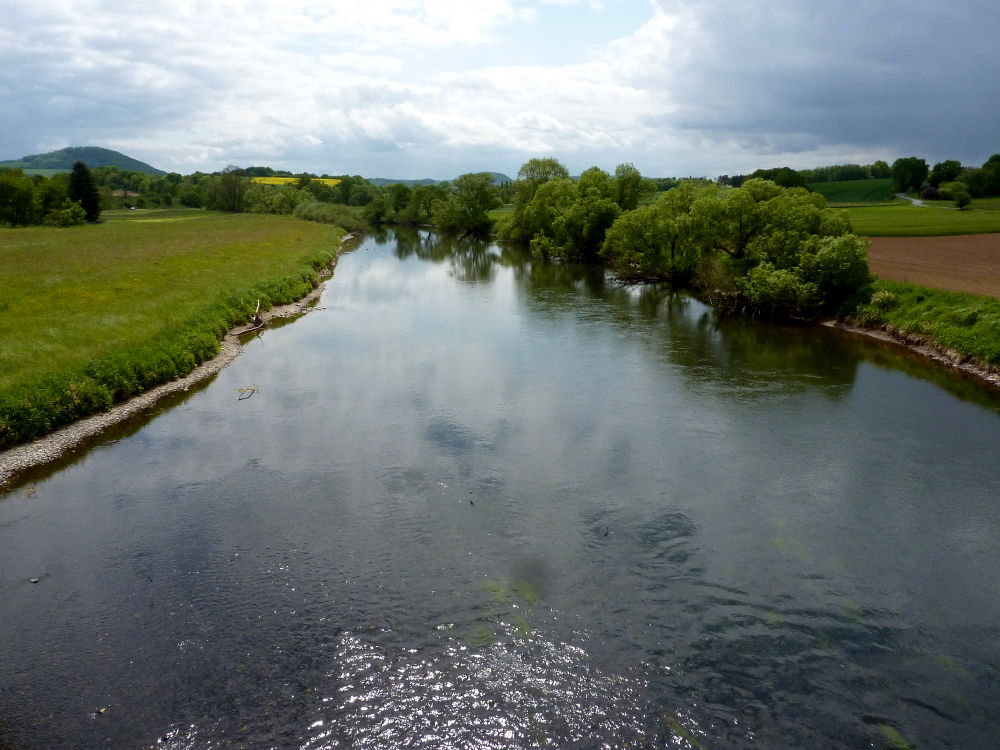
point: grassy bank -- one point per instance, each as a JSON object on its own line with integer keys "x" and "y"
{"x": 921, "y": 221}
{"x": 966, "y": 323}
{"x": 94, "y": 314}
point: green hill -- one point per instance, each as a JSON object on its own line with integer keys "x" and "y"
{"x": 854, "y": 191}
{"x": 93, "y": 156}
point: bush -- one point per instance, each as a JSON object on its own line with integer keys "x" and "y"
{"x": 777, "y": 292}
{"x": 331, "y": 213}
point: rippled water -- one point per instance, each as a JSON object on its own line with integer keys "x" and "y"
{"x": 483, "y": 503}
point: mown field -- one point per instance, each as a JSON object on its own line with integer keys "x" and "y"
{"x": 855, "y": 191}
{"x": 93, "y": 314}
{"x": 921, "y": 221}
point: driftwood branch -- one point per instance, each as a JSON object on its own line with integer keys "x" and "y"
{"x": 256, "y": 323}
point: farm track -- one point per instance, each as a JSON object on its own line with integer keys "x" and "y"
{"x": 964, "y": 263}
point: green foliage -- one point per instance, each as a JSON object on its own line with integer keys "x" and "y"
{"x": 83, "y": 190}
{"x": 773, "y": 251}
{"x": 628, "y": 186}
{"x": 663, "y": 240}
{"x": 958, "y": 192}
{"x": 783, "y": 176}
{"x": 945, "y": 171}
{"x": 72, "y": 214}
{"x": 348, "y": 217}
{"x": 466, "y": 207}
{"x": 227, "y": 193}
{"x": 909, "y": 173}
{"x": 777, "y": 292}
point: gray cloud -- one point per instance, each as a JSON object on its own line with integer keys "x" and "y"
{"x": 392, "y": 87}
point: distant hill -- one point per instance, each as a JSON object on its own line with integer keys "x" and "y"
{"x": 498, "y": 178}
{"x": 92, "y": 156}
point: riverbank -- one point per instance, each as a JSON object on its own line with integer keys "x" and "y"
{"x": 55, "y": 445}
{"x": 925, "y": 347}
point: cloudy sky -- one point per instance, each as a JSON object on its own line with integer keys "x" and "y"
{"x": 434, "y": 88}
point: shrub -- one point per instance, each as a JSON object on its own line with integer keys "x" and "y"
{"x": 777, "y": 292}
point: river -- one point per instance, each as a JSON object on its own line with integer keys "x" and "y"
{"x": 480, "y": 502}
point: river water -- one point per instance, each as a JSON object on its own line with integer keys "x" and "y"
{"x": 478, "y": 502}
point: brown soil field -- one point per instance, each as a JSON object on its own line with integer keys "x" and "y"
{"x": 966, "y": 263}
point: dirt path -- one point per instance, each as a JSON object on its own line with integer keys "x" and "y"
{"x": 963, "y": 263}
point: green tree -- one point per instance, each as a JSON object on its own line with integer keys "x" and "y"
{"x": 83, "y": 189}
{"x": 628, "y": 186}
{"x": 788, "y": 177}
{"x": 659, "y": 241}
{"x": 465, "y": 209}
{"x": 230, "y": 189}
{"x": 945, "y": 171}
{"x": 909, "y": 173}
{"x": 880, "y": 170}
{"x": 17, "y": 198}
{"x": 958, "y": 192}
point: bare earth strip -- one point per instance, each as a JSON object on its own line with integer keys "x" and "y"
{"x": 53, "y": 446}
{"x": 965, "y": 263}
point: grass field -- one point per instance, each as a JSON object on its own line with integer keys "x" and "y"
{"x": 967, "y": 323}
{"x": 93, "y": 314}
{"x": 855, "y": 191}
{"x": 921, "y": 221}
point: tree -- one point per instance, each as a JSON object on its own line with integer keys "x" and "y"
{"x": 628, "y": 186}
{"x": 788, "y": 177}
{"x": 958, "y": 192}
{"x": 83, "y": 189}
{"x": 231, "y": 189}
{"x": 880, "y": 170}
{"x": 17, "y": 198}
{"x": 465, "y": 210}
{"x": 658, "y": 241}
{"x": 909, "y": 173}
{"x": 945, "y": 171}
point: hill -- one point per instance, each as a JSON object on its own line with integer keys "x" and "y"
{"x": 93, "y": 156}
{"x": 498, "y": 178}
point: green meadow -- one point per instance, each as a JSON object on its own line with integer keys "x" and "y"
{"x": 966, "y": 323}
{"x": 91, "y": 315}
{"x": 898, "y": 220}
{"x": 855, "y": 191}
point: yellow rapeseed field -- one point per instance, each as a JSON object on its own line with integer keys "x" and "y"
{"x": 331, "y": 181}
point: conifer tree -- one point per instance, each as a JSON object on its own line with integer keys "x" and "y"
{"x": 82, "y": 188}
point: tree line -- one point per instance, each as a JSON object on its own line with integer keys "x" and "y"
{"x": 762, "y": 248}
{"x": 946, "y": 180}
{"x": 62, "y": 200}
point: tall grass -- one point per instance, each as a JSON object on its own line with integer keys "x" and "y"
{"x": 92, "y": 315}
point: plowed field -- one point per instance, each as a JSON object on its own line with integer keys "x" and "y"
{"x": 964, "y": 263}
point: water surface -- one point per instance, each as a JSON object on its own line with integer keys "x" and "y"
{"x": 483, "y": 502}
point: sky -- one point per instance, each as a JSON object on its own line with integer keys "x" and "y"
{"x": 437, "y": 88}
